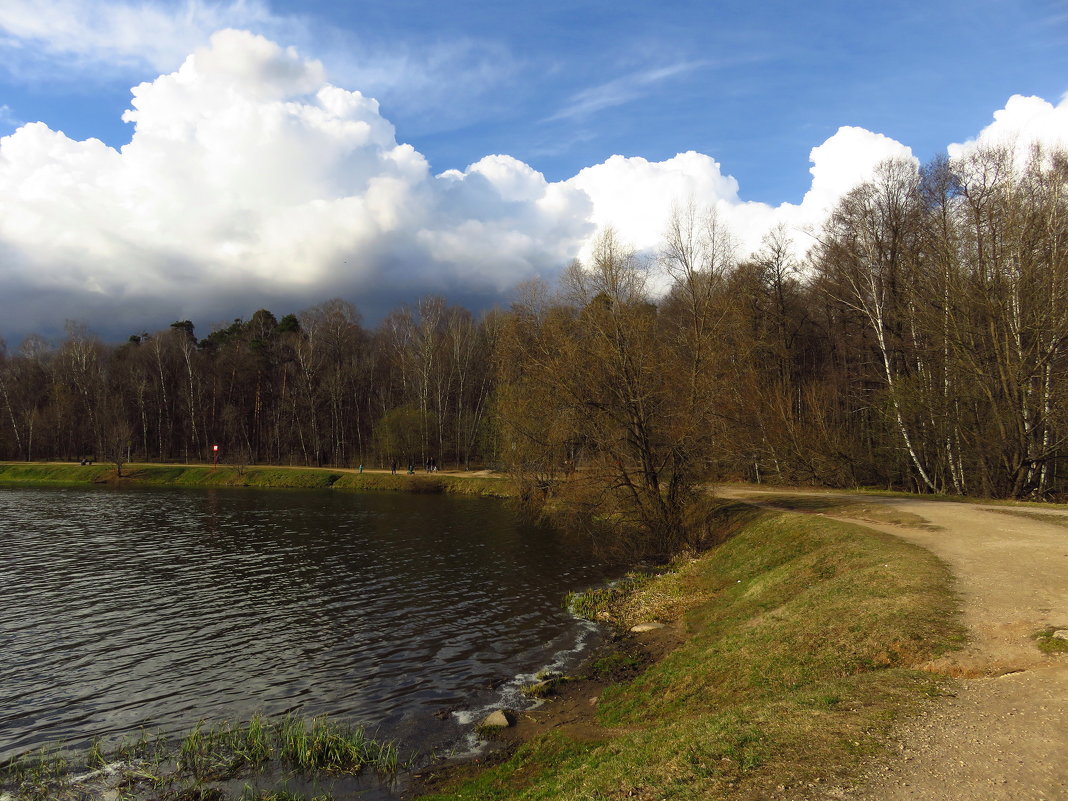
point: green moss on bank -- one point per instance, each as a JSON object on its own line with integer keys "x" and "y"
{"x": 13, "y": 474}
{"x": 804, "y": 639}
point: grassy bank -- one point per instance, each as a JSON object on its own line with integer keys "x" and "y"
{"x": 59, "y": 474}
{"x": 801, "y": 642}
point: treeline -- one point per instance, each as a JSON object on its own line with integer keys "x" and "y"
{"x": 313, "y": 389}
{"x": 920, "y": 344}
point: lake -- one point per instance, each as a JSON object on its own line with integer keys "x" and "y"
{"x": 160, "y": 608}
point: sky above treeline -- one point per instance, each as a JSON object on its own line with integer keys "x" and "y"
{"x": 173, "y": 160}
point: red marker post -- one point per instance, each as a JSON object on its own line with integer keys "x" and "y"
{"x": 215, "y": 453}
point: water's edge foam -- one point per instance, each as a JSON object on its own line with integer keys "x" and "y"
{"x": 510, "y": 695}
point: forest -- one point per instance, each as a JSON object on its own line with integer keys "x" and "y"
{"x": 920, "y": 344}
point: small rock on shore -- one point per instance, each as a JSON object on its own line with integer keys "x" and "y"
{"x": 498, "y": 719}
{"x": 641, "y": 627}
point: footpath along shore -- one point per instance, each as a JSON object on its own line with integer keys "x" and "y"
{"x": 1004, "y": 734}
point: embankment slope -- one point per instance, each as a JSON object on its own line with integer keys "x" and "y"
{"x": 800, "y": 638}
{"x": 1002, "y": 736}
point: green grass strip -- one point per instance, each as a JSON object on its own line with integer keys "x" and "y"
{"x": 46, "y": 474}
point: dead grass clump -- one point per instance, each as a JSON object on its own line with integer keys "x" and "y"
{"x": 845, "y": 507}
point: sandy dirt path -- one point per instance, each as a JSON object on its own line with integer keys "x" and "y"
{"x": 1004, "y": 735}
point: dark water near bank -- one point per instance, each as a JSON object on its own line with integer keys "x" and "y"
{"x": 163, "y": 607}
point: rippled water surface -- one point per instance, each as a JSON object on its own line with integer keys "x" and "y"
{"x": 160, "y": 608}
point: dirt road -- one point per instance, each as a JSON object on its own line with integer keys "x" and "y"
{"x": 1004, "y": 736}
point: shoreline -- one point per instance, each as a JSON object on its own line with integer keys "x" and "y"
{"x": 570, "y": 707}
{"x": 148, "y": 474}
{"x": 785, "y": 656}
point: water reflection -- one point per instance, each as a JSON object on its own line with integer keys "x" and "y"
{"x": 161, "y": 608}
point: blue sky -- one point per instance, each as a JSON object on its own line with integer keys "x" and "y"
{"x": 563, "y": 85}
{"x": 559, "y": 86}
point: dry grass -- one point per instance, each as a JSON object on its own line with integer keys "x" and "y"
{"x": 1052, "y": 519}
{"x": 855, "y": 509}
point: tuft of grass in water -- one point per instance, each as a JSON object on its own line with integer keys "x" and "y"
{"x": 196, "y": 794}
{"x": 95, "y": 757}
{"x": 250, "y": 793}
{"x": 805, "y": 636}
{"x": 316, "y": 746}
{"x": 144, "y": 748}
{"x": 322, "y": 746}
{"x": 183, "y": 770}
{"x": 545, "y": 684}
{"x": 32, "y": 776}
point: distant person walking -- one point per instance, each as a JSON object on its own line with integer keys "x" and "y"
{"x": 393, "y": 467}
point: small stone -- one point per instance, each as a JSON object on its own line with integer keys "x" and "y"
{"x": 594, "y": 700}
{"x": 646, "y": 627}
{"x": 498, "y": 719}
{"x": 1060, "y": 634}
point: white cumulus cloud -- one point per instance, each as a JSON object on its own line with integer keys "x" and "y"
{"x": 1023, "y": 121}
{"x": 637, "y": 196}
{"x": 250, "y": 179}
{"x": 248, "y": 172}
